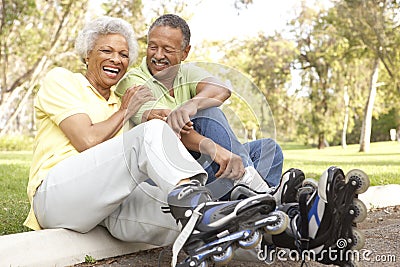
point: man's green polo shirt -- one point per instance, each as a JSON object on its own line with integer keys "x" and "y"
{"x": 185, "y": 83}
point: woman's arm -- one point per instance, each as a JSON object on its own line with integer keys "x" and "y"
{"x": 84, "y": 134}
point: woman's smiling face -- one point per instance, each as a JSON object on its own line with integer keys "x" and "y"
{"x": 108, "y": 61}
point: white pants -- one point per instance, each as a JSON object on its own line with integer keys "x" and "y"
{"x": 105, "y": 185}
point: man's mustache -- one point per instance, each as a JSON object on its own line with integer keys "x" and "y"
{"x": 160, "y": 61}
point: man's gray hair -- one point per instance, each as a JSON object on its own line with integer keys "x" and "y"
{"x": 176, "y": 22}
{"x": 87, "y": 37}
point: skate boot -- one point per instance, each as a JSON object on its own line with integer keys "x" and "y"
{"x": 285, "y": 192}
{"x": 213, "y": 230}
{"x": 323, "y": 223}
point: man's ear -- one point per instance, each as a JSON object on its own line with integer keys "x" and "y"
{"x": 186, "y": 52}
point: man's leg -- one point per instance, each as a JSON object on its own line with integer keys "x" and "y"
{"x": 213, "y": 124}
{"x": 267, "y": 158}
{"x": 264, "y": 154}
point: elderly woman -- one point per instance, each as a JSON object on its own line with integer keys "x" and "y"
{"x": 85, "y": 170}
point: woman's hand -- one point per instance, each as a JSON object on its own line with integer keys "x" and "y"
{"x": 134, "y": 98}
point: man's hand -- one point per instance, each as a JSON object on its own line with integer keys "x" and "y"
{"x": 179, "y": 119}
{"x": 230, "y": 165}
{"x": 150, "y": 114}
{"x": 164, "y": 114}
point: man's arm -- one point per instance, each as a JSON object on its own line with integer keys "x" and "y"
{"x": 210, "y": 92}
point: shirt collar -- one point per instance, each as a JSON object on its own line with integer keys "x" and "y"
{"x": 113, "y": 99}
{"x": 145, "y": 69}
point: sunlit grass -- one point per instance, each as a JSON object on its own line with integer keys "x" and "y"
{"x": 14, "y": 205}
{"x": 381, "y": 163}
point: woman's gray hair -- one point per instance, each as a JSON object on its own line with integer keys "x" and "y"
{"x": 87, "y": 37}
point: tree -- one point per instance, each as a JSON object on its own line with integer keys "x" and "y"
{"x": 371, "y": 26}
{"x": 319, "y": 50}
{"x": 267, "y": 60}
{"x": 35, "y": 35}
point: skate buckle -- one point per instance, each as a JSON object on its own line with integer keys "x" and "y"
{"x": 304, "y": 243}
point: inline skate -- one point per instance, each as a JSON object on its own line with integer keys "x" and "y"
{"x": 323, "y": 222}
{"x": 285, "y": 192}
{"x": 213, "y": 230}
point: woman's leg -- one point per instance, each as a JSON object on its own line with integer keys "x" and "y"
{"x": 140, "y": 218}
{"x": 81, "y": 191}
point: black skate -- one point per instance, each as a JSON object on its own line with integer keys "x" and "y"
{"x": 285, "y": 192}
{"x": 213, "y": 230}
{"x": 323, "y": 224}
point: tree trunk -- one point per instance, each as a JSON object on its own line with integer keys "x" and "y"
{"x": 321, "y": 141}
{"x": 346, "y": 117}
{"x": 365, "y": 137}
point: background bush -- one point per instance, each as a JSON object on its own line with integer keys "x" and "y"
{"x": 16, "y": 143}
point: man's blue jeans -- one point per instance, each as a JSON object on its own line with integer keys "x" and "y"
{"x": 264, "y": 154}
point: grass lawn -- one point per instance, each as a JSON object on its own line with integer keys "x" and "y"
{"x": 382, "y": 164}
{"x": 14, "y": 205}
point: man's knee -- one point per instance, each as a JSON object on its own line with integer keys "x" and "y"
{"x": 278, "y": 152}
{"x": 212, "y": 112}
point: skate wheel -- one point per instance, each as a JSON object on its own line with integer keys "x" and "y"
{"x": 310, "y": 182}
{"x": 360, "y": 210}
{"x": 308, "y": 187}
{"x": 224, "y": 257}
{"x": 358, "y": 239}
{"x": 279, "y": 225}
{"x": 193, "y": 262}
{"x": 360, "y": 177}
{"x": 250, "y": 242}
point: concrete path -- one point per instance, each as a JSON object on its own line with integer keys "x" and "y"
{"x": 60, "y": 247}
{"x": 381, "y": 196}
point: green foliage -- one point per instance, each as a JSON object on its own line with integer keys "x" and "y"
{"x": 16, "y": 143}
{"x": 332, "y": 48}
{"x": 267, "y": 60}
{"x": 89, "y": 259}
{"x": 382, "y": 126}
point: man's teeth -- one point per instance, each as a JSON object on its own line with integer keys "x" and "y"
{"x": 109, "y": 69}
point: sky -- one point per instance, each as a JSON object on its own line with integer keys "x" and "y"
{"x": 219, "y": 20}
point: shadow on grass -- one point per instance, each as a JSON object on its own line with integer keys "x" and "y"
{"x": 294, "y": 146}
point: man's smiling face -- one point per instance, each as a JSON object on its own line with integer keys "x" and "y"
{"x": 164, "y": 48}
